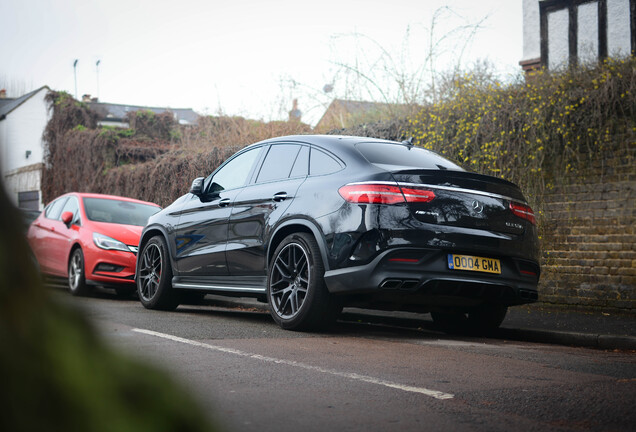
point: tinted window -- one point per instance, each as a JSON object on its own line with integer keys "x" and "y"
{"x": 73, "y": 207}
{"x": 322, "y": 163}
{"x": 396, "y": 156}
{"x": 301, "y": 166}
{"x": 278, "y": 162}
{"x": 118, "y": 212}
{"x": 54, "y": 210}
{"x": 234, "y": 173}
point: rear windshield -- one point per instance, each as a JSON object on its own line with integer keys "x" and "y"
{"x": 399, "y": 156}
{"x": 118, "y": 212}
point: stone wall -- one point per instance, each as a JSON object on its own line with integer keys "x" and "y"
{"x": 589, "y": 235}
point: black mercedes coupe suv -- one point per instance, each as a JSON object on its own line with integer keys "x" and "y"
{"x": 311, "y": 224}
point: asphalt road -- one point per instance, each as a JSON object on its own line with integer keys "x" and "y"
{"x": 253, "y": 376}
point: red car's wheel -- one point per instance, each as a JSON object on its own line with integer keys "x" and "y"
{"x": 76, "y": 276}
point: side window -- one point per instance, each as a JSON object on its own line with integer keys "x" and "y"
{"x": 278, "y": 162}
{"x": 54, "y": 210}
{"x": 301, "y": 166}
{"x": 321, "y": 163}
{"x": 234, "y": 174}
{"x": 73, "y": 207}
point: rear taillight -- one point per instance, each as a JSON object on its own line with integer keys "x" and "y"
{"x": 377, "y": 193}
{"x": 418, "y": 195}
{"x": 523, "y": 211}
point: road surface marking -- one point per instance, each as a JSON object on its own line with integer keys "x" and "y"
{"x": 354, "y": 376}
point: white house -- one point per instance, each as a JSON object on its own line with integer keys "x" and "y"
{"x": 22, "y": 123}
{"x": 558, "y": 33}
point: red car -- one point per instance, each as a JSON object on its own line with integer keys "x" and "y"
{"x": 90, "y": 239}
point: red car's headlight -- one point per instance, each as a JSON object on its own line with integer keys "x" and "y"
{"x": 104, "y": 242}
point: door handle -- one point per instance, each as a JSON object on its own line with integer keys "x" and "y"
{"x": 224, "y": 202}
{"x": 280, "y": 196}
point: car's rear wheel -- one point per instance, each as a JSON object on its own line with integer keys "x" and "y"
{"x": 154, "y": 277}
{"x": 76, "y": 276}
{"x": 483, "y": 319}
{"x": 296, "y": 293}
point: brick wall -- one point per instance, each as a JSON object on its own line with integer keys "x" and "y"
{"x": 589, "y": 236}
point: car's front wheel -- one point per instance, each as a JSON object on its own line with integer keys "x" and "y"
{"x": 76, "y": 276}
{"x": 296, "y": 293}
{"x": 154, "y": 276}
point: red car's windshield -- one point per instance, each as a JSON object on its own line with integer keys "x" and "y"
{"x": 118, "y": 212}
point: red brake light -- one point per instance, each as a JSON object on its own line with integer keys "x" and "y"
{"x": 405, "y": 260}
{"x": 418, "y": 195}
{"x": 371, "y": 194}
{"x": 523, "y": 211}
{"x": 374, "y": 193}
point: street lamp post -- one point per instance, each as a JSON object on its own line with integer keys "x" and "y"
{"x": 75, "y": 76}
{"x": 97, "y": 72}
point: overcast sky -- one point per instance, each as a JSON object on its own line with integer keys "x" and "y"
{"x": 241, "y": 57}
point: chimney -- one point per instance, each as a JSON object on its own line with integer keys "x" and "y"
{"x": 295, "y": 113}
{"x": 3, "y": 94}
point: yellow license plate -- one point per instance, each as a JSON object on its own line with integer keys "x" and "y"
{"x": 474, "y": 263}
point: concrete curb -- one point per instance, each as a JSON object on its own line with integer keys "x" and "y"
{"x": 587, "y": 340}
{"x": 556, "y": 337}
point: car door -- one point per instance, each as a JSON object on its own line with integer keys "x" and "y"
{"x": 201, "y": 232}
{"x": 62, "y": 240}
{"x": 260, "y": 204}
{"x": 44, "y": 237}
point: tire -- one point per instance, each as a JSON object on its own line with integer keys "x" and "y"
{"x": 483, "y": 319}
{"x": 154, "y": 277}
{"x": 296, "y": 293}
{"x": 76, "y": 274}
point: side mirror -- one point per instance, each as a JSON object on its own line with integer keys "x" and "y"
{"x": 197, "y": 186}
{"x": 67, "y": 218}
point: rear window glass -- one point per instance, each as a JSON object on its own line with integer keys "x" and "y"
{"x": 301, "y": 165}
{"x": 397, "y": 156}
{"x": 118, "y": 212}
{"x": 321, "y": 163}
{"x": 278, "y": 162}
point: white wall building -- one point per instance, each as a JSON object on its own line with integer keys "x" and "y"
{"x": 559, "y": 33}
{"x": 22, "y": 123}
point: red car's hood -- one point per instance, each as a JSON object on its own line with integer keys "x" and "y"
{"x": 128, "y": 234}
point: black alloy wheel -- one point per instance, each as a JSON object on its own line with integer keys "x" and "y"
{"x": 297, "y": 296}
{"x": 76, "y": 276}
{"x": 154, "y": 277}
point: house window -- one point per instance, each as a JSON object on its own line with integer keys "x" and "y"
{"x": 581, "y": 31}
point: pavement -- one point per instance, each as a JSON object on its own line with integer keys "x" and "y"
{"x": 540, "y": 323}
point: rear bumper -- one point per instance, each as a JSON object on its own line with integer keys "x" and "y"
{"x": 424, "y": 279}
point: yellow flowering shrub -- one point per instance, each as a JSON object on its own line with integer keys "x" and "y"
{"x": 533, "y": 131}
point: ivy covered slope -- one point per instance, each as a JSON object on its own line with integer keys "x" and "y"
{"x": 534, "y": 132}
{"x": 155, "y": 159}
